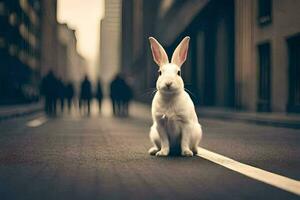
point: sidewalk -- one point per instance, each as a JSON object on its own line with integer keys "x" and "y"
{"x": 271, "y": 119}
{"x": 11, "y": 111}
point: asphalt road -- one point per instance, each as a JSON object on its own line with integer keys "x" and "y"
{"x": 101, "y": 157}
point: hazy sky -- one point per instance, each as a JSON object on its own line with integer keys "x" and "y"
{"x": 84, "y": 16}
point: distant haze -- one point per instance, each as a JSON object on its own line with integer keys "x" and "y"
{"x": 84, "y": 16}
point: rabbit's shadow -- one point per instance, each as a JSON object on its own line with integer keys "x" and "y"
{"x": 175, "y": 154}
{"x": 177, "y": 158}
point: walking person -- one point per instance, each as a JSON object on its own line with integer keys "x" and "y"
{"x": 85, "y": 95}
{"x": 127, "y": 96}
{"x": 61, "y": 94}
{"x": 69, "y": 95}
{"x": 49, "y": 87}
{"x": 115, "y": 94}
{"x": 99, "y": 94}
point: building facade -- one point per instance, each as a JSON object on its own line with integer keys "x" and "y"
{"x": 19, "y": 50}
{"x": 32, "y": 43}
{"x": 72, "y": 67}
{"x": 243, "y": 54}
{"x": 267, "y": 55}
{"x": 110, "y": 37}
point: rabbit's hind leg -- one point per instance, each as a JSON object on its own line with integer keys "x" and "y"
{"x": 196, "y": 138}
{"x": 155, "y": 140}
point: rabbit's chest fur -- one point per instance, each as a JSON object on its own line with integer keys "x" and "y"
{"x": 171, "y": 121}
{"x": 171, "y": 115}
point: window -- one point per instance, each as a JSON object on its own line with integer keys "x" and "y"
{"x": 264, "y": 12}
{"x": 2, "y": 42}
{"x": 294, "y": 71}
{"x": 2, "y": 8}
{"x": 264, "y": 78}
{"x": 24, "y": 5}
{"x": 13, "y": 19}
{"x": 13, "y": 50}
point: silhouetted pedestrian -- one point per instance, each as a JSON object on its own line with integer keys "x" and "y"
{"x": 49, "y": 90}
{"x": 69, "y": 95}
{"x": 127, "y": 96}
{"x": 115, "y": 90}
{"x": 99, "y": 94}
{"x": 61, "y": 94}
{"x": 120, "y": 94}
{"x": 85, "y": 95}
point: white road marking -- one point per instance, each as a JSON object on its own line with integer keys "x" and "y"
{"x": 275, "y": 180}
{"x": 37, "y": 122}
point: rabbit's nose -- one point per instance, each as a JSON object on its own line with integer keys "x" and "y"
{"x": 168, "y": 84}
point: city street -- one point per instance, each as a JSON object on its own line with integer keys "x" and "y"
{"x": 101, "y": 157}
{"x": 238, "y": 60}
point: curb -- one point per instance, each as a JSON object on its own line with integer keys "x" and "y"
{"x": 295, "y": 124}
{"x": 258, "y": 119}
{"x": 20, "y": 114}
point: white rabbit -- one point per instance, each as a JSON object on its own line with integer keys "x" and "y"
{"x": 175, "y": 123}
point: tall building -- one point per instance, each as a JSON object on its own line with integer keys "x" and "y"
{"x": 49, "y": 39}
{"x": 19, "y": 50}
{"x": 243, "y": 54}
{"x": 31, "y": 44}
{"x": 110, "y": 37}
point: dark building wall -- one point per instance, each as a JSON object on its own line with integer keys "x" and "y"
{"x": 138, "y": 23}
{"x": 209, "y": 70}
{"x": 150, "y": 14}
{"x": 49, "y": 39}
{"x": 126, "y": 53}
{"x": 19, "y": 50}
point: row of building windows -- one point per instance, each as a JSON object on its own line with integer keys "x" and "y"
{"x": 30, "y": 10}
{"x": 25, "y": 56}
{"x": 28, "y": 36}
{"x": 23, "y": 30}
{"x": 18, "y": 37}
{"x": 27, "y": 16}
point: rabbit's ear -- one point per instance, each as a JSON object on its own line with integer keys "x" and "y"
{"x": 180, "y": 53}
{"x": 158, "y": 52}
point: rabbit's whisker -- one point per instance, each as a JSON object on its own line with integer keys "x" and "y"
{"x": 149, "y": 91}
{"x": 153, "y": 92}
{"x": 188, "y": 91}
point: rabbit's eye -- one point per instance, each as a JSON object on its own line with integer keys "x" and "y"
{"x": 159, "y": 72}
{"x": 179, "y": 73}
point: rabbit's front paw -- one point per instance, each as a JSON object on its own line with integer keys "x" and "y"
{"x": 187, "y": 152}
{"x": 153, "y": 150}
{"x": 162, "y": 152}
